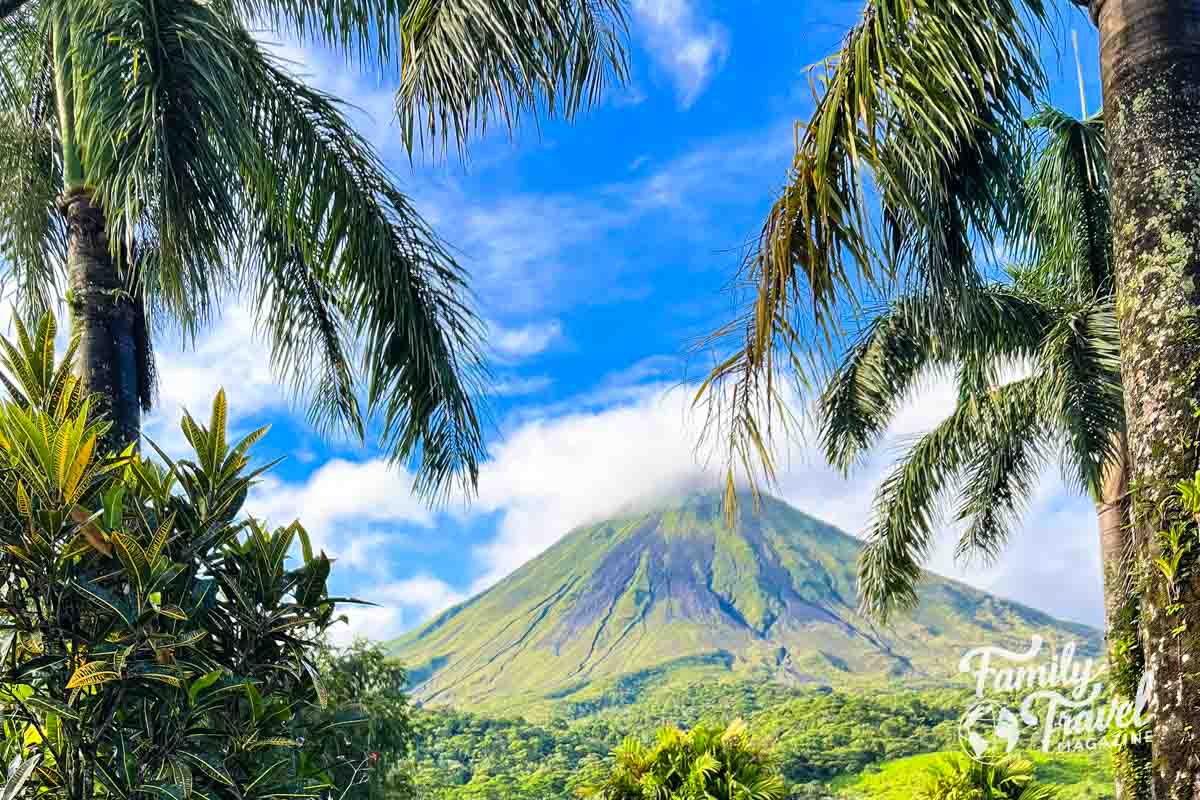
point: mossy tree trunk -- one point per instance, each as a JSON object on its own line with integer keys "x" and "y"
{"x": 1150, "y": 64}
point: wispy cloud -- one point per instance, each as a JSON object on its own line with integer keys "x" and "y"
{"x": 399, "y": 605}
{"x": 517, "y": 386}
{"x": 532, "y": 251}
{"x": 344, "y": 505}
{"x": 523, "y": 341}
{"x": 689, "y": 47}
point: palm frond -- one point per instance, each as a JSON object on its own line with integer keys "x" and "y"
{"x": 1081, "y": 387}
{"x": 355, "y": 278}
{"x": 33, "y": 240}
{"x": 219, "y": 172}
{"x": 1004, "y": 468}
{"x": 160, "y": 122}
{"x": 367, "y": 30}
{"x": 997, "y": 327}
{"x": 938, "y": 151}
{"x": 1065, "y": 223}
{"x": 464, "y": 62}
{"x": 906, "y": 511}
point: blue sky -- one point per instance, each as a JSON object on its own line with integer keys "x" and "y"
{"x": 598, "y": 251}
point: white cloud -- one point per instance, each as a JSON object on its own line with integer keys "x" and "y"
{"x": 551, "y": 475}
{"x": 523, "y": 341}
{"x": 226, "y": 355}
{"x": 401, "y": 605}
{"x": 690, "y": 48}
{"x": 345, "y": 506}
{"x": 520, "y": 386}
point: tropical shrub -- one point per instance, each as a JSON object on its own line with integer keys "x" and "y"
{"x": 960, "y": 778}
{"x": 363, "y": 680}
{"x": 709, "y": 762}
{"x": 159, "y": 643}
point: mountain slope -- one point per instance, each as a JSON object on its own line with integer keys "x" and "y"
{"x": 674, "y": 594}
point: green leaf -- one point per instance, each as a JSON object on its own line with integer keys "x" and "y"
{"x": 106, "y": 600}
{"x": 262, "y": 775}
{"x": 173, "y": 612}
{"x": 256, "y": 702}
{"x": 168, "y": 791}
{"x": 203, "y": 682}
{"x": 311, "y": 586}
{"x": 17, "y": 778}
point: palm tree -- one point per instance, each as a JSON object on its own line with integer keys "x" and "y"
{"x": 156, "y": 159}
{"x": 958, "y": 778}
{"x": 709, "y": 762}
{"x": 1055, "y": 319}
{"x": 905, "y": 166}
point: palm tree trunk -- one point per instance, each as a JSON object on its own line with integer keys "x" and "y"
{"x": 104, "y": 316}
{"x": 1151, "y": 76}
{"x": 1125, "y": 658}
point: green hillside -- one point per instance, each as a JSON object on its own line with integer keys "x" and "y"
{"x": 656, "y": 599}
{"x": 1076, "y": 776}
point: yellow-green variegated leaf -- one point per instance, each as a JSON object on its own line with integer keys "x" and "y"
{"x": 190, "y": 638}
{"x": 23, "y": 504}
{"x": 274, "y": 741}
{"x": 160, "y": 538}
{"x": 93, "y": 673}
{"x": 73, "y": 483}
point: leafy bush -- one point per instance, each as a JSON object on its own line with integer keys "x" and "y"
{"x": 363, "y": 678}
{"x": 709, "y": 762}
{"x": 960, "y": 778}
{"x": 159, "y": 645}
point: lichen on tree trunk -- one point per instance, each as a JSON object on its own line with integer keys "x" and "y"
{"x": 1126, "y": 658}
{"x": 1151, "y": 78}
{"x": 104, "y": 316}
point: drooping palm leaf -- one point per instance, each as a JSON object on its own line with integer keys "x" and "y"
{"x": 1067, "y": 218}
{"x": 993, "y": 445}
{"x": 921, "y": 110}
{"x": 464, "y": 62}
{"x": 899, "y": 348}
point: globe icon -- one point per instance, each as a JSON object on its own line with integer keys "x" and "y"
{"x": 988, "y": 732}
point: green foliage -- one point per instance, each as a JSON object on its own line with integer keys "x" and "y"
{"x": 936, "y": 155}
{"x": 960, "y": 778}
{"x": 1055, "y": 316}
{"x": 462, "y": 756}
{"x": 159, "y": 645}
{"x": 815, "y": 736}
{"x": 709, "y": 762}
{"x": 464, "y": 61}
